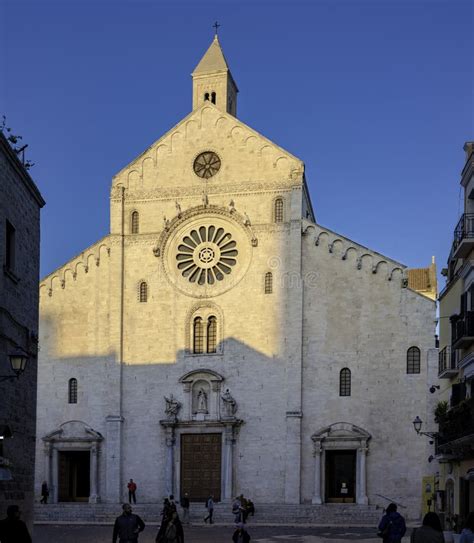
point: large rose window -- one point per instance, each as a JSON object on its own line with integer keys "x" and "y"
{"x": 206, "y": 255}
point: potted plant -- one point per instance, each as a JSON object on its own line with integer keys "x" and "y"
{"x": 440, "y": 410}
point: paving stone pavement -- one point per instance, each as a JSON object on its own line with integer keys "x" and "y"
{"x": 214, "y": 534}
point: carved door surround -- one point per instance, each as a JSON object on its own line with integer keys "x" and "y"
{"x": 201, "y": 415}
{"x": 340, "y": 436}
{"x": 73, "y": 435}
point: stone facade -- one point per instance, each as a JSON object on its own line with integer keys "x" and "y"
{"x": 20, "y": 204}
{"x": 294, "y": 303}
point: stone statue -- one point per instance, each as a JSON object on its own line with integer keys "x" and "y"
{"x": 178, "y": 209}
{"x": 166, "y": 223}
{"x": 247, "y": 220}
{"x": 230, "y": 405}
{"x": 172, "y": 407}
{"x": 231, "y": 206}
{"x": 205, "y": 199}
{"x": 202, "y": 401}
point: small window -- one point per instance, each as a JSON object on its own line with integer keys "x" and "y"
{"x": 143, "y": 292}
{"x": 213, "y": 97}
{"x": 198, "y": 336}
{"x": 211, "y": 335}
{"x": 72, "y": 390}
{"x": 413, "y": 360}
{"x": 135, "y": 222}
{"x": 206, "y": 97}
{"x": 278, "y": 210}
{"x": 10, "y": 246}
{"x": 345, "y": 382}
{"x": 268, "y": 283}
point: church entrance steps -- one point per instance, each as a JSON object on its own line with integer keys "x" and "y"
{"x": 102, "y": 513}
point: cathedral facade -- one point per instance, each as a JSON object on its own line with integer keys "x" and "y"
{"x": 220, "y": 341}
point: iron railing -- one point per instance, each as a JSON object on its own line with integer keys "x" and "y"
{"x": 464, "y": 229}
{"x": 447, "y": 359}
{"x": 462, "y": 327}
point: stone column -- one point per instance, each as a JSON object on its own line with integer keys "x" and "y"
{"x": 94, "y": 473}
{"x": 188, "y": 402}
{"x": 362, "y": 493}
{"x": 317, "y": 474}
{"x": 47, "y": 466}
{"x": 113, "y": 451}
{"x": 169, "y": 470}
{"x": 54, "y": 478}
{"x": 228, "y": 462}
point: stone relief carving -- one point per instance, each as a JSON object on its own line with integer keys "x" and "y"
{"x": 229, "y": 404}
{"x": 172, "y": 407}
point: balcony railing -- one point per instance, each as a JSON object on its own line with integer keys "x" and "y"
{"x": 462, "y": 330}
{"x": 447, "y": 362}
{"x": 457, "y": 424}
{"x": 464, "y": 235}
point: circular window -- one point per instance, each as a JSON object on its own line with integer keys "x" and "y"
{"x": 206, "y": 255}
{"x": 207, "y": 164}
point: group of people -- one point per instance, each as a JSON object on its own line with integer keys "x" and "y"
{"x": 241, "y": 508}
{"x": 392, "y": 528}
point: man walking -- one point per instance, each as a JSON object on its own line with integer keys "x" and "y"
{"x": 132, "y": 488}
{"x": 127, "y": 526}
{"x": 184, "y": 502}
{"x": 44, "y": 492}
{"x": 210, "y": 509}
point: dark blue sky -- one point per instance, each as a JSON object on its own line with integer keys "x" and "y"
{"x": 375, "y": 96}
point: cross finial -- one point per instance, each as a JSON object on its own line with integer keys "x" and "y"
{"x": 216, "y": 25}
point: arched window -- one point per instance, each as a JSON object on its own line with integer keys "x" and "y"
{"x": 213, "y": 97}
{"x": 345, "y": 382}
{"x": 268, "y": 283}
{"x": 413, "y": 360}
{"x": 206, "y": 96}
{"x": 198, "y": 336}
{"x": 143, "y": 292}
{"x": 135, "y": 222}
{"x": 279, "y": 210}
{"x": 72, "y": 390}
{"x": 211, "y": 334}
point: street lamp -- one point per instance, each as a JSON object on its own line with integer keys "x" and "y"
{"x": 18, "y": 359}
{"x": 417, "y": 424}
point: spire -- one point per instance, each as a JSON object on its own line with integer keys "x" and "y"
{"x": 212, "y": 80}
{"x": 213, "y": 60}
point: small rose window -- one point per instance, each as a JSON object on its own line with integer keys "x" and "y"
{"x": 206, "y": 255}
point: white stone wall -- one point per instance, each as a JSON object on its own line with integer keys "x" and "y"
{"x": 280, "y": 354}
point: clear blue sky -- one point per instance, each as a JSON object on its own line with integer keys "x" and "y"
{"x": 375, "y": 96}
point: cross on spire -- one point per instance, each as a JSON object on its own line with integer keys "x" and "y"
{"x": 216, "y": 25}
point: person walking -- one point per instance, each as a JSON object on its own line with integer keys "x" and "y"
{"x": 240, "y": 535}
{"x": 210, "y": 509}
{"x": 467, "y": 534}
{"x": 127, "y": 526}
{"x": 430, "y": 531}
{"x": 184, "y": 502}
{"x": 132, "y": 488}
{"x": 236, "y": 510}
{"x": 392, "y": 526}
{"x": 44, "y": 492}
{"x": 12, "y": 529}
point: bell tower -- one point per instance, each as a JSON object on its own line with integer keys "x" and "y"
{"x": 213, "y": 82}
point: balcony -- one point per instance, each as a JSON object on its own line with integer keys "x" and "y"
{"x": 447, "y": 363}
{"x": 462, "y": 330}
{"x": 456, "y": 431}
{"x": 463, "y": 242}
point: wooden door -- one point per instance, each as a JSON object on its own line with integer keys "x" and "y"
{"x": 201, "y": 466}
{"x": 340, "y": 476}
{"x": 73, "y": 476}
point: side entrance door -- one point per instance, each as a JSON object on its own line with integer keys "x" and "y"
{"x": 201, "y": 466}
{"x": 74, "y": 476}
{"x": 340, "y": 476}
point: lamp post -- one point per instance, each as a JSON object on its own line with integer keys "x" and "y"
{"x": 417, "y": 424}
{"x": 18, "y": 360}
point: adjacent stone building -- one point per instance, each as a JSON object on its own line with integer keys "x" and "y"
{"x": 20, "y": 204}
{"x": 219, "y": 340}
{"x": 455, "y": 442}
